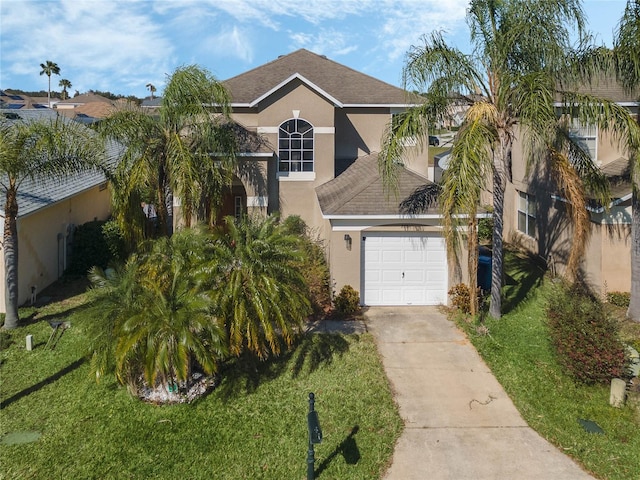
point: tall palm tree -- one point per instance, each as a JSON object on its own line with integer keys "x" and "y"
{"x": 627, "y": 65}
{"x": 259, "y": 289}
{"x": 153, "y": 316}
{"x": 36, "y": 150}
{"x": 152, "y": 89}
{"x": 64, "y": 83}
{"x": 169, "y": 154}
{"x": 49, "y": 68}
{"x": 510, "y": 83}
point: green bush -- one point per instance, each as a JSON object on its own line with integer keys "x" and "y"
{"x": 115, "y": 241}
{"x": 619, "y": 299}
{"x": 485, "y": 228}
{"x": 89, "y": 248}
{"x": 585, "y": 339}
{"x": 347, "y": 301}
{"x": 314, "y": 268}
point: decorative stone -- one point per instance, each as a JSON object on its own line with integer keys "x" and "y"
{"x": 29, "y": 343}
{"x": 618, "y": 392}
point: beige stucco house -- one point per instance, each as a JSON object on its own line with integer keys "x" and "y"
{"x": 48, "y": 212}
{"x": 322, "y": 124}
{"x": 535, "y": 212}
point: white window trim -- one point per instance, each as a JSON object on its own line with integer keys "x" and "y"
{"x": 302, "y": 161}
{"x": 528, "y": 199}
{"x": 296, "y": 176}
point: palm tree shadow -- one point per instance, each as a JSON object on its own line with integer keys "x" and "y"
{"x": 348, "y": 448}
{"x": 319, "y": 349}
{"x": 247, "y": 372}
{"x": 523, "y": 273}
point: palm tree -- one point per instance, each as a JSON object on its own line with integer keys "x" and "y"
{"x": 153, "y": 317}
{"x": 152, "y": 89}
{"x": 49, "y": 68}
{"x": 259, "y": 288}
{"x": 627, "y": 55}
{"x": 36, "y": 150}
{"x": 64, "y": 83}
{"x": 510, "y": 83}
{"x": 169, "y": 154}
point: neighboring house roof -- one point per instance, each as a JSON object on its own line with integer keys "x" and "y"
{"x": 155, "y": 103}
{"x": 16, "y": 102}
{"x": 338, "y": 83}
{"x": 611, "y": 90}
{"x": 35, "y": 194}
{"x": 85, "y": 98}
{"x": 359, "y": 191}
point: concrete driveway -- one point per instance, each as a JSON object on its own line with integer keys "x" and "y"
{"x": 459, "y": 422}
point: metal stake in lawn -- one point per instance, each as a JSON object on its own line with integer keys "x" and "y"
{"x": 315, "y": 435}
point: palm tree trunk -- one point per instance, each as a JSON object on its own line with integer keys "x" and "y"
{"x": 472, "y": 247}
{"x": 49, "y": 91}
{"x": 634, "y": 305}
{"x": 11, "y": 259}
{"x": 499, "y": 186}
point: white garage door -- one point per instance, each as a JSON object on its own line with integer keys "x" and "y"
{"x": 404, "y": 268}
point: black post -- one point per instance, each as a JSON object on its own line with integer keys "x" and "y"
{"x": 311, "y": 454}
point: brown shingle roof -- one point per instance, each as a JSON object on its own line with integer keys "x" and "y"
{"x": 359, "y": 191}
{"x": 347, "y": 86}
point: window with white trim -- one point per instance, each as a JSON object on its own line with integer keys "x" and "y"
{"x": 527, "y": 214}
{"x": 586, "y": 136}
{"x": 295, "y": 146}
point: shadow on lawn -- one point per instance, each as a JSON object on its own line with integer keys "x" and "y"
{"x": 245, "y": 373}
{"x": 523, "y": 273}
{"x": 47, "y": 381}
{"x": 348, "y": 448}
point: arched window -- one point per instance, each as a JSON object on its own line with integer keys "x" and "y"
{"x": 295, "y": 146}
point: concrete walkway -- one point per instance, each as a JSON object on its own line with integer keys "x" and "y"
{"x": 459, "y": 422}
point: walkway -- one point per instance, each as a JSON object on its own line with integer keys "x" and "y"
{"x": 459, "y": 422}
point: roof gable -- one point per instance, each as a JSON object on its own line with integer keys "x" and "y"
{"x": 342, "y": 85}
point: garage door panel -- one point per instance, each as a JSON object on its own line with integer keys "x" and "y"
{"x": 403, "y": 268}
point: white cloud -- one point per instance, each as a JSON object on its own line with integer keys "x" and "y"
{"x": 232, "y": 42}
{"x": 325, "y": 42}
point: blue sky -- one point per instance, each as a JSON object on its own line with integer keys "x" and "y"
{"x": 122, "y": 45}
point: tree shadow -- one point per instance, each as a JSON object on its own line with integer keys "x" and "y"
{"x": 524, "y": 272}
{"x": 47, "y": 381}
{"x": 348, "y": 448}
{"x": 247, "y": 372}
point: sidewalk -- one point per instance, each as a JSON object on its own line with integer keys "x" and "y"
{"x": 459, "y": 422}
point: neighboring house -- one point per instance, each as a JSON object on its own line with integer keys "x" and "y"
{"x": 322, "y": 124}
{"x": 48, "y": 212}
{"x": 13, "y": 101}
{"x": 86, "y": 108}
{"x": 535, "y": 212}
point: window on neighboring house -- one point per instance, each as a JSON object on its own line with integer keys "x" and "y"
{"x": 527, "y": 214}
{"x": 237, "y": 209}
{"x": 295, "y": 146}
{"x": 586, "y": 136}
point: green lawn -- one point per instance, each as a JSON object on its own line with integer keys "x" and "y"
{"x": 518, "y": 351}
{"x": 252, "y": 426}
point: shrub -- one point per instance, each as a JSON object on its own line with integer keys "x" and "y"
{"x": 89, "y": 248}
{"x": 314, "y": 268}
{"x": 485, "y": 228}
{"x": 619, "y": 299}
{"x": 115, "y": 241}
{"x": 585, "y": 339}
{"x": 348, "y": 300}
{"x": 461, "y": 297}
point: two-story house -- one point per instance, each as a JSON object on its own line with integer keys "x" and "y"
{"x": 322, "y": 124}
{"x": 535, "y": 212}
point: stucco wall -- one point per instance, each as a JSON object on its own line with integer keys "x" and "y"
{"x": 43, "y": 233}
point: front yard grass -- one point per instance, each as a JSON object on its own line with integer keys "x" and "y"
{"x": 253, "y": 425}
{"x": 519, "y": 353}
